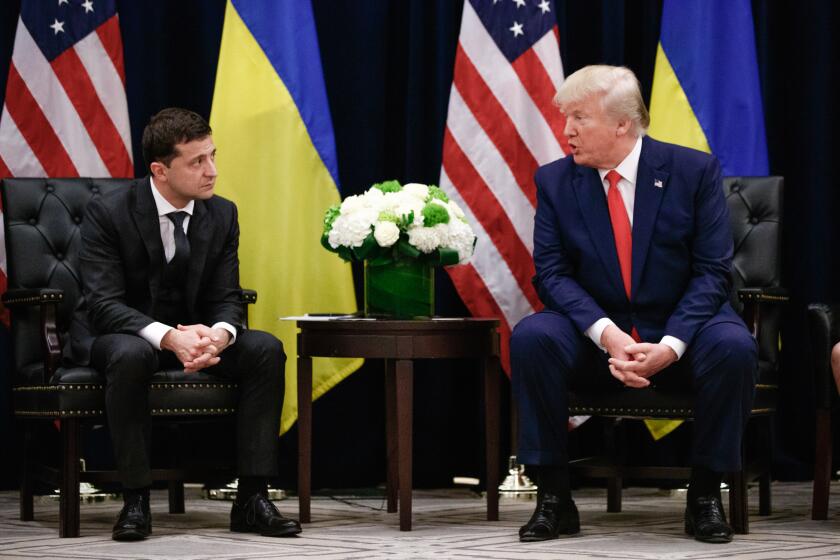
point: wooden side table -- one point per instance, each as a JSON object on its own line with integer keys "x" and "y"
{"x": 399, "y": 343}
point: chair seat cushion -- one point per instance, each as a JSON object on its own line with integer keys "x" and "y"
{"x": 80, "y": 392}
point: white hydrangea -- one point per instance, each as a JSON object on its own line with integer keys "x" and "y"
{"x": 458, "y": 236}
{"x": 402, "y": 204}
{"x": 351, "y": 229}
{"x": 386, "y": 233}
{"x": 455, "y": 210}
{"x": 417, "y": 190}
{"x": 360, "y": 216}
{"x": 424, "y": 239}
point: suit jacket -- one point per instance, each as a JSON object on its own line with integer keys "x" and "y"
{"x": 682, "y": 245}
{"x": 122, "y": 263}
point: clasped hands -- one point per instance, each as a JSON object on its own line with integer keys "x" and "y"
{"x": 196, "y": 346}
{"x": 631, "y": 362}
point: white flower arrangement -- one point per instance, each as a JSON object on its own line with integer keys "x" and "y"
{"x": 390, "y": 222}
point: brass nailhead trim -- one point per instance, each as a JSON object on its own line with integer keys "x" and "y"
{"x": 99, "y": 387}
{"x": 35, "y": 299}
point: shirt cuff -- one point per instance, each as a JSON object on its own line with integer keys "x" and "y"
{"x": 229, "y": 328}
{"x": 153, "y": 333}
{"x": 675, "y": 344}
{"x": 597, "y": 329}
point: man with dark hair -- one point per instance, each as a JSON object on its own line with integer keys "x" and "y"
{"x": 632, "y": 250}
{"x": 160, "y": 276}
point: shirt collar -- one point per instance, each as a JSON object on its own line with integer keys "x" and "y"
{"x": 629, "y": 166}
{"x": 163, "y": 206}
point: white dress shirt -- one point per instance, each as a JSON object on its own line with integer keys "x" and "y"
{"x": 153, "y": 333}
{"x": 628, "y": 169}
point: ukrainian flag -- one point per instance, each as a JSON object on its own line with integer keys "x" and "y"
{"x": 706, "y": 93}
{"x": 277, "y": 161}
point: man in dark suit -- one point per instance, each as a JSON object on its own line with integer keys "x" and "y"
{"x": 632, "y": 249}
{"x": 160, "y": 276}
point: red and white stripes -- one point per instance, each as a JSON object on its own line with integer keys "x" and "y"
{"x": 500, "y": 127}
{"x": 68, "y": 117}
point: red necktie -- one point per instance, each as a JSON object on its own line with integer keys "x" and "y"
{"x": 623, "y": 235}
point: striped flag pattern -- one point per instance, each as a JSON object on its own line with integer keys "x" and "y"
{"x": 500, "y": 127}
{"x": 65, "y": 112}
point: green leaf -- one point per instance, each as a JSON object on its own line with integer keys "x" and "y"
{"x": 405, "y": 249}
{"x": 447, "y": 256}
{"x": 364, "y": 251}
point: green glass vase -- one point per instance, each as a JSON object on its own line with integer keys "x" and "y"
{"x": 399, "y": 290}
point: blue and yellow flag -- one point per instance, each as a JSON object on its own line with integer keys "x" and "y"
{"x": 706, "y": 93}
{"x": 277, "y": 161}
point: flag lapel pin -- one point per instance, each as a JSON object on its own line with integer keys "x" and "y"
{"x": 657, "y": 183}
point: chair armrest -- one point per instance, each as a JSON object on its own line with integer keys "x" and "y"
{"x": 822, "y": 335}
{"x": 47, "y": 299}
{"x": 773, "y": 294}
{"x": 35, "y": 296}
{"x": 249, "y": 297}
{"x": 753, "y": 300}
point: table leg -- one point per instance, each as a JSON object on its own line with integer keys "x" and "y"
{"x": 304, "y": 396}
{"x": 405, "y": 397}
{"x": 491, "y": 426}
{"x": 391, "y": 459}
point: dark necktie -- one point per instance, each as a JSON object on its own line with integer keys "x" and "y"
{"x": 182, "y": 245}
{"x": 623, "y": 235}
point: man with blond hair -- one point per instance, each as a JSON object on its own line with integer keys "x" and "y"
{"x": 632, "y": 249}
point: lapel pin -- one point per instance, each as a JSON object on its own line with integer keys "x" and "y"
{"x": 657, "y": 183}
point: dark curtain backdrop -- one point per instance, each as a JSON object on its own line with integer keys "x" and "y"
{"x": 388, "y": 69}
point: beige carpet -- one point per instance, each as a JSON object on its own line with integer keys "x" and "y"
{"x": 447, "y": 524}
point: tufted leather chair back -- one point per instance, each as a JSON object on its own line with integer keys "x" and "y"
{"x": 755, "y": 213}
{"x": 43, "y": 217}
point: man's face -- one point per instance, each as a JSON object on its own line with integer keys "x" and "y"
{"x": 595, "y": 137}
{"x": 192, "y": 173}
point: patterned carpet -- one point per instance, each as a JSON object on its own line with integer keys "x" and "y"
{"x": 447, "y": 524}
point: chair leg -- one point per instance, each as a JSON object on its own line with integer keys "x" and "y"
{"x": 176, "y": 496}
{"x": 27, "y": 509}
{"x": 614, "y": 438}
{"x": 765, "y": 498}
{"x": 738, "y": 504}
{"x": 176, "y": 487}
{"x": 822, "y": 466}
{"x": 68, "y": 511}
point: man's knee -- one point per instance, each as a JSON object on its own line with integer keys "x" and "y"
{"x": 261, "y": 343}
{"x": 124, "y": 352}
{"x": 731, "y": 348}
{"x": 543, "y": 338}
{"x": 124, "y": 356}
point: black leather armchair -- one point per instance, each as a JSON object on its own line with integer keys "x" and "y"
{"x": 42, "y": 218}
{"x": 755, "y": 206}
{"x": 824, "y": 327}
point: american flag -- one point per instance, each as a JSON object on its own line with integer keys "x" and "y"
{"x": 501, "y": 126}
{"x": 65, "y": 112}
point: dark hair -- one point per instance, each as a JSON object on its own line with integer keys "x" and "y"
{"x": 169, "y": 127}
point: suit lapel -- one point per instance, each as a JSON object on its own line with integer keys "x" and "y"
{"x": 199, "y": 234}
{"x": 148, "y": 225}
{"x": 651, "y": 182}
{"x": 593, "y": 206}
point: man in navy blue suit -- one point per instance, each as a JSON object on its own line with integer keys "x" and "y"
{"x": 632, "y": 248}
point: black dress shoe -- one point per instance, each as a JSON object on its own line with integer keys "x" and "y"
{"x": 258, "y": 515}
{"x": 135, "y": 520}
{"x": 552, "y": 517}
{"x": 706, "y": 521}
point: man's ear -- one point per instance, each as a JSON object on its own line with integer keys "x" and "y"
{"x": 158, "y": 170}
{"x": 623, "y": 127}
